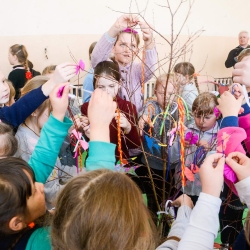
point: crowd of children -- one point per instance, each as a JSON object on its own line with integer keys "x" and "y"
{"x": 73, "y": 177}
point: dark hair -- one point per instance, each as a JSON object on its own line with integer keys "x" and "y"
{"x": 204, "y": 104}
{"x": 187, "y": 69}
{"x": 108, "y": 68}
{"x": 15, "y": 189}
{"x": 8, "y": 140}
{"x": 91, "y": 48}
{"x": 22, "y": 55}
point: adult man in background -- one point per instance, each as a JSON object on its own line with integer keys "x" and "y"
{"x": 233, "y": 54}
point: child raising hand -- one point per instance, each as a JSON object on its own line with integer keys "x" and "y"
{"x": 123, "y": 41}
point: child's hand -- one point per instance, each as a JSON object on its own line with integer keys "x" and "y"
{"x": 124, "y": 123}
{"x": 204, "y": 144}
{"x": 240, "y": 164}
{"x": 183, "y": 200}
{"x": 147, "y": 35}
{"x": 236, "y": 90}
{"x": 141, "y": 123}
{"x": 211, "y": 174}
{"x": 63, "y": 73}
{"x": 122, "y": 23}
{"x": 81, "y": 121}
{"x": 228, "y": 105}
{"x": 100, "y": 113}
{"x": 241, "y": 71}
{"x": 59, "y": 104}
{"x": 86, "y": 130}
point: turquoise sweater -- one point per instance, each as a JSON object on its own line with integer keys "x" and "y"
{"x": 42, "y": 161}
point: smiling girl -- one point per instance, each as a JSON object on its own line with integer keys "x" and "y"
{"x": 123, "y": 42}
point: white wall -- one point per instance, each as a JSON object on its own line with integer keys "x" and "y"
{"x": 59, "y": 24}
{"x": 36, "y": 17}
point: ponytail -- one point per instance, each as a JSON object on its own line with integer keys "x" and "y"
{"x": 196, "y": 83}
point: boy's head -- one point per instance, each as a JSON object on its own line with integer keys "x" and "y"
{"x": 160, "y": 86}
{"x": 203, "y": 111}
{"x": 107, "y": 77}
{"x": 126, "y": 46}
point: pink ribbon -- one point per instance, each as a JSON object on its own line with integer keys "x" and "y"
{"x": 83, "y": 143}
{"x": 80, "y": 66}
{"x": 192, "y": 138}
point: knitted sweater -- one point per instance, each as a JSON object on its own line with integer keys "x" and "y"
{"x": 131, "y": 74}
{"x": 130, "y": 140}
{"x": 24, "y": 107}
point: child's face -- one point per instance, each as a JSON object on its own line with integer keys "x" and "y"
{"x": 159, "y": 92}
{"x": 125, "y": 48}
{"x": 205, "y": 123}
{"x": 43, "y": 118}
{"x": 4, "y": 90}
{"x": 109, "y": 84}
{"x": 12, "y": 58}
{"x": 36, "y": 202}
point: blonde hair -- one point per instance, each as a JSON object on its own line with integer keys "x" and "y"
{"x": 102, "y": 210}
{"x": 49, "y": 70}
{"x": 243, "y": 53}
{"x": 35, "y": 83}
{"x": 162, "y": 79}
{"x": 12, "y": 92}
{"x": 21, "y": 53}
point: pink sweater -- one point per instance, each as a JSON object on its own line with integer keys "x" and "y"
{"x": 131, "y": 74}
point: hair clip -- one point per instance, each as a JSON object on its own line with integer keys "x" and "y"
{"x": 20, "y": 45}
{"x": 129, "y": 30}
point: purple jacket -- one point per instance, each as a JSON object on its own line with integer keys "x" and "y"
{"x": 131, "y": 74}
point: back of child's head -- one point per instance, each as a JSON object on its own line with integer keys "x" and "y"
{"x": 187, "y": 70}
{"x": 35, "y": 83}
{"x": 21, "y": 53}
{"x": 15, "y": 189}
{"x": 49, "y": 70}
{"x": 204, "y": 104}
{"x": 132, "y": 32}
{"x": 102, "y": 210}
{"x": 8, "y": 141}
{"x": 91, "y": 48}
{"x": 109, "y": 69}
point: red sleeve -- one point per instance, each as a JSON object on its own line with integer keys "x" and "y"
{"x": 84, "y": 108}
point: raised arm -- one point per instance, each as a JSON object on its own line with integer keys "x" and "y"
{"x": 44, "y": 156}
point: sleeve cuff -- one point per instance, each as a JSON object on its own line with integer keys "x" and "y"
{"x": 246, "y": 110}
{"x": 109, "y": 38}
{"x": 229, "y": 121}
